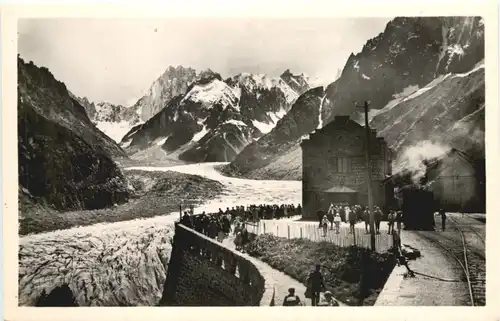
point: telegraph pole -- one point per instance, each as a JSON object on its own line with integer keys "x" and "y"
{"x": 368, "y": 174}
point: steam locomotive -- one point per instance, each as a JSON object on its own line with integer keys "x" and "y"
{"x": 418, "y": 207}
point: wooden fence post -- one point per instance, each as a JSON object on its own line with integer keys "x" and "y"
{"x": 264, "y": 227}
{"x": 301, "y": 232}
{"x": 288, "y": 231}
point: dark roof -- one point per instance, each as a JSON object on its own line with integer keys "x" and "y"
{"x": 339, "y": 189}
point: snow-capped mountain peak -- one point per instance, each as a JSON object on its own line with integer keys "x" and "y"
{"x": 211, "y": 93}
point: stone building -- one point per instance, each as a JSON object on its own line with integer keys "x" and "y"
{"x": 333, "y": 165}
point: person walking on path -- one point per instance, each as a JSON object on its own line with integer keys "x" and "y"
{"x": 337, "y": 221}
{"x": 291, "y": 300}
{"x": 315, "y": 285}
{"x": 399, "y": 220}
{"x": 324, "y": 224}
{"x": 331, "y": 215}
{"x": 390, "y": 222}
{"x": 443, "y": 219}
{"x": 320, "y": 214}
{"x": 351, "y": 215}
{"x": 366, "y": 218}
{"x": 378, "y": 218}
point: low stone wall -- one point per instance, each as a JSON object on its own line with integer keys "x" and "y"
{"x": 202, "y": 272}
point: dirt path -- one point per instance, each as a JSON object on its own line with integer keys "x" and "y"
{"x": 275, "y": 279}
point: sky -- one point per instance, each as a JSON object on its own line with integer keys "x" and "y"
{"x": 117, "y": 60}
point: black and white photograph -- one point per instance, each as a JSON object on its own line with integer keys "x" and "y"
{"x": 230, "y": 162}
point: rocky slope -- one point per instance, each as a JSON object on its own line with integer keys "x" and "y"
{"x": 276, "y": 152}
{"x": 214, "y": 119}
{"x": 64, "y": 160}
{"x": 297, "y": 82}
{"x": 449, "y": 111}
{"x": 412, "y": 51}
{"x": 174, "y": 81}
{"x": 395, "y": 71}
{"x": 117, "y": 120}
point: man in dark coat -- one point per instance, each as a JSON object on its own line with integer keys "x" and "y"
{"x": 378, "y": 217}
{"x": 443, "y": 219}
{"x": 315, "y": 285}
{"x": 186, "y": 220}
{"x": 320, "y": 215}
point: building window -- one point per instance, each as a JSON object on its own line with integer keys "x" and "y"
{"x": 343, "y": 164}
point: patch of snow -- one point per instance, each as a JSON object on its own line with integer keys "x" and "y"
{"x": 320, "y": 120}
{"x": 162, "y": 141}
{"x": 114, "y": 130}
{"x": 406, "y": 91}
{"x": 126, "y": 144}
{"x": 135, "y": 131}
{"x": 314, "y": 82}
{"x": 444, "y": 36}
{"x": 262, "y": 81}
{"x": 365, "y": 77}
{"x": 236, "y": 122}
{"x": 479, "y": 65}
{"x": 267, "y": 127}
{"x": 276, "y": 116}
{"x": 199, "y": 135}
{"x": 214, "y": 91}
{"x": 356, "y": 65}
{"x": 412, "y": 92}
{"x": 263, "y": 127}
{"x": 454, "y": 50}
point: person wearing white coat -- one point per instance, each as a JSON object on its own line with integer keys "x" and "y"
{"x": 337, "y": 221}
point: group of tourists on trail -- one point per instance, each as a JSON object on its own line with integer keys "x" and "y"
{"x": 217, "y": 227}
{"x": 354, "y": 214}
{"x": 255, "y": 213}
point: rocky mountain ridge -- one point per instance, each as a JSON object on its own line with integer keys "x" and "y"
{"x": 214, "y": 119}
{"x": 400, "y": 72}
{"x": 65, "y": 162}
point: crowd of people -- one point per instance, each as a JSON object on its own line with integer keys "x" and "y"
{"x": 353, "y": 214}
{"x": 233, "y": 220}
{"x": 263, "y": 211}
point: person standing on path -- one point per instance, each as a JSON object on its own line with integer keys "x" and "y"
{"x": 366, "y": 218}
{"x": 443, "y": 219}
{"x": 320, "y": 214}
{"x": 315, "y": 285}
{"x": 378, "y": 218}
{"x": 337, "y": 221}
{"x": 390, "y": 222}
{"x": 399, "y": 220}
{"x": 331, "y": 215}
{"x": 324, "y": 225}
{"x": 351, "y": 215}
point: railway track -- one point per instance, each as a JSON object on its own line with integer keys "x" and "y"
{"x": 471, "y": 261}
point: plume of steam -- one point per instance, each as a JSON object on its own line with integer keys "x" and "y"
{"x": 413, "y": 159}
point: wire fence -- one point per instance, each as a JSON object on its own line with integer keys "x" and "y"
{"x": 343, "y": 238}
